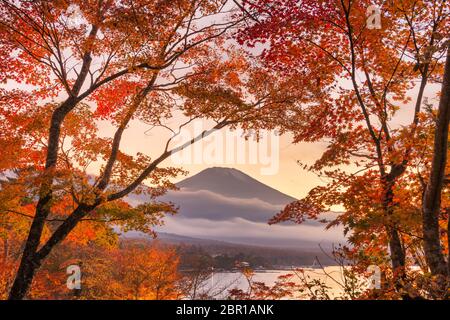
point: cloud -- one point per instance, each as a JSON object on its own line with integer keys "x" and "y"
{"x": 207, "y": 215}
{"x": 239, "y": 230}
{"x": 212, "y": 206}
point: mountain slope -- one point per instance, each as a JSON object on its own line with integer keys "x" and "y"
{"x": 224, "y": 204}
{"x": 233, "y": 183}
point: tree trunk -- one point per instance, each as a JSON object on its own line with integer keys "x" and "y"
{"x": 24, "y": 276}
{"x": 397, "y": 251}
{"x": 448, "y": 246}
{"x": 29, "y": 262}
{"x": 432, "y": 196}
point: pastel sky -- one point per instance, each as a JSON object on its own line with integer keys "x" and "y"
{"x": 290, "y": 178}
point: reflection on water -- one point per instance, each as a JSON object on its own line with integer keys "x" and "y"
{"x": 221, "y": 282}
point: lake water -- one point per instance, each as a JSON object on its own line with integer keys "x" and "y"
{"x": 221, "y": 282}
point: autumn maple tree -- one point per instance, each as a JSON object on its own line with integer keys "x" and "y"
{"x": 133, "y": 271}
{"x": 70, "y": 64}
{"x": 316, "y": 69}
{"x": 365, "y": 74}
